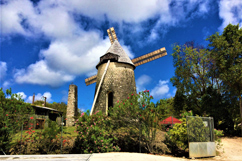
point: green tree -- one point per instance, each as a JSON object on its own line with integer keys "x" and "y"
{"x": 199, "y": 87}
{"x": 165, "y": 107}
{"x": 192, "y": 76}
{"x": 227, "y": 54}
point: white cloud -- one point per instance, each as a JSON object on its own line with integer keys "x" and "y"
{"x": 160, "y": 90}
{"x": 76, "y": 56}
{"x": 74, "y": 51}
{"x": 125, "y": 10}
{"x": 172, "y": 12}
{"x": 40, "y": 96}
{"x": 40, "y": 73}
{"x": 3, "y": 70}
{"x": 13, "y": 12}
{"x": 6, "y": 84}
{"x": 142, "y": 81}
{"x": 56, "y": 18}
{"x": 230, "y": 11}
{"x": 22, "y": 94}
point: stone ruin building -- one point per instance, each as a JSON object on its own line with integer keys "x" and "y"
{"x": 71, "y": 105}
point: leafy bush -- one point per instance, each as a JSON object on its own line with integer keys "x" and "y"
{"x": 94, "y": 134}
{"x": 138, "y": 116}
{"x": 197, "y": 131}
{"x": 39, "y": 142}
{"x": 218, "y": 134}
{"x": 13, "y": 113}
{"x": 177, "y": 137}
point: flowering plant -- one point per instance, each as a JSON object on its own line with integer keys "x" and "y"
{"x": 13, "y": 113}
{"x": 94, "y": 134}
{"x": 138, "y": 115}
{"x": 43, "y": 142}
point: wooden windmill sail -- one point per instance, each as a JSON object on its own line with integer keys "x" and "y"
{"x": 115, "y": 78}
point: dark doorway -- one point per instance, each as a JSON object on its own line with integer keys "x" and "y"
{"x": 110, "y": 100}
{"x": 40, "y": 123}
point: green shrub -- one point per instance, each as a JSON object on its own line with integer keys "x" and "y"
{"x": 94, "y": 134}
{"x": 177, "y": 136}
{"x": 197, "y": 131}
{"x": 39, "y": 142}
{"x": 13, "y": 113}
{"x": 138, "y": 115}
{"x": 218, "y": 134}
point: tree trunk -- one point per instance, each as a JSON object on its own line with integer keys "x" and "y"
{"x": 240, "y": 102}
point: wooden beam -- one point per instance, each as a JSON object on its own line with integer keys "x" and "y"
{"x": 91, "y": 80}
{"x": 112, "y": 35}
{"x": 100, "y": 83}
{"x": 150, "y": 59}
{"x": 149, "y": 55}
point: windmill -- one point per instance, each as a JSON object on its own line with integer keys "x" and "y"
{"x": 115, "y": 77}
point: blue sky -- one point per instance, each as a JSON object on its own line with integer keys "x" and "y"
{"x": 48, "y": 44}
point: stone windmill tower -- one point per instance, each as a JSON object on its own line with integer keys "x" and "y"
{"x": 115, "y": 77}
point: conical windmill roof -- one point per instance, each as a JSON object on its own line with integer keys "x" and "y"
{"x": 116, "y": 49}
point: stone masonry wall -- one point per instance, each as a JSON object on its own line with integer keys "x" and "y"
{"x": 71, "y": 105}
{"x": 119, "y": 79}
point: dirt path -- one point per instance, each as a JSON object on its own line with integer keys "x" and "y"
{"x": 232, "y": 149}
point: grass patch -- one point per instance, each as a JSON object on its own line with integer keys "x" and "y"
{"x": 68, "y": 132}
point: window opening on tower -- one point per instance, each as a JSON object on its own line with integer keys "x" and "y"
{"x": 110, "y": 100}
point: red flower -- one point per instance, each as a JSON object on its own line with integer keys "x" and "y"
{"x": 6, "y": 114}
{"x": 143, "y": 105}
{"x": 64, "y": 141}
{"x": 131, "y": 103}
{"x": 33, "y": 131}
{"x": 151, "y": 96}
{"x": 148, "y": 91}
{"x": 128, "y": 97}
{"x": 117, "y": 101}
{"x": 32, "y": 118}
{"x": 132, "y": 94}
{"x": 66, "y": 119}
{"x": 37, "y": 124}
